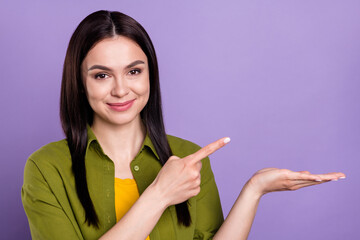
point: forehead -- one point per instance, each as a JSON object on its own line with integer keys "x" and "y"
{"x": 117, "y": 51}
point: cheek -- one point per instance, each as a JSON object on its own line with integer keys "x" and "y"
{"x": 95, "y": 91}
{"x": 142, "y": 89}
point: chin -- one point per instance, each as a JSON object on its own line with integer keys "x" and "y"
{"x": 118, "y": 118}
{"x": 123, "y": 120}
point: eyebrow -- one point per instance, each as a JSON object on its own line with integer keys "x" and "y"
{"x": 101, "y": 67}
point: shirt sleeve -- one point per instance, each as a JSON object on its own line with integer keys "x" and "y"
{"x": 209, "y": 215}
{"x": 47, "y": 219}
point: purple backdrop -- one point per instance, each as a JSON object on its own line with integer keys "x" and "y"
{"x": 281, "y": 78}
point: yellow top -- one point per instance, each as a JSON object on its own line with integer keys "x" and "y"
{"x": 126, "y": 194}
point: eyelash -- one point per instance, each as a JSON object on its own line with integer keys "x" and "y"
{"x": 97, "y": 76}
{"x": 131, "y": 72}
{"x": 135, "y": 71}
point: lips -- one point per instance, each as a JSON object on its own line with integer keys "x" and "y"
{"x": 120, "y": 107}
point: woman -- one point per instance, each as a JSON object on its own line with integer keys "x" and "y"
{"x": 87, "y": 186}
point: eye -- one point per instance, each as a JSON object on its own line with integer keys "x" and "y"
{"x": 134, "y": 71}
{"x": 101, "y": 76}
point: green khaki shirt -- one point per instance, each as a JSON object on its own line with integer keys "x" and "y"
{"x": 54, "y": 211}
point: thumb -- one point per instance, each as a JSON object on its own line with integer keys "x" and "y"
{"x": 173, "y": 158}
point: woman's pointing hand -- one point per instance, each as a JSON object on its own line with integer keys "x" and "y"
{"x": 179, "y": 179}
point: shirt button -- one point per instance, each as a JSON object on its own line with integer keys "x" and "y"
{"x": 136, "y": 168}
{"x": 109, "y": 219}
{"x": 108, "y": 195}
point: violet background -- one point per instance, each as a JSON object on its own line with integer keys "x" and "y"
{"x": 280, "y": 77}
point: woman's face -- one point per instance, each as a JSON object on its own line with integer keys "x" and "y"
{"x": 116, "y": 79}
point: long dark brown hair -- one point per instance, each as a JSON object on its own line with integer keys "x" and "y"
{"x": 76, "y": 113}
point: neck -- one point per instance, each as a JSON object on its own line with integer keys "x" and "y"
{"x": 120, "y": 142}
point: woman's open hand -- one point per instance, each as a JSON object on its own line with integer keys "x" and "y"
{"x": 273, "y": 179}
{"x": 179, "y": 179}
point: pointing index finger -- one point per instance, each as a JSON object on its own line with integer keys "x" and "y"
{"x": 208, "y": 150}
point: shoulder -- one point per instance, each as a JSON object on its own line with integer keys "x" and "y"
{"x": 58, "y": 149}
{"x": 53, "y": 155}
{"x": 181, "y": 147}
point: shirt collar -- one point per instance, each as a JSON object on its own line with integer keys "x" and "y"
{"x": 92, "y": 138}
{"x": 148, "y": 143}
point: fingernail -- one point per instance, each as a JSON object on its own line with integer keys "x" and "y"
{"x": 226, "y": 140}
{"x": 317, "y": 180}
{"x": 342, "y": 177}
{"x": 334, "y": 180}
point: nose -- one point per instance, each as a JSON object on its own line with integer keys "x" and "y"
{"x": 120, "y": 88}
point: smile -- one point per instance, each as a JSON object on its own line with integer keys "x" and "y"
{"x": 120, "y": 107}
